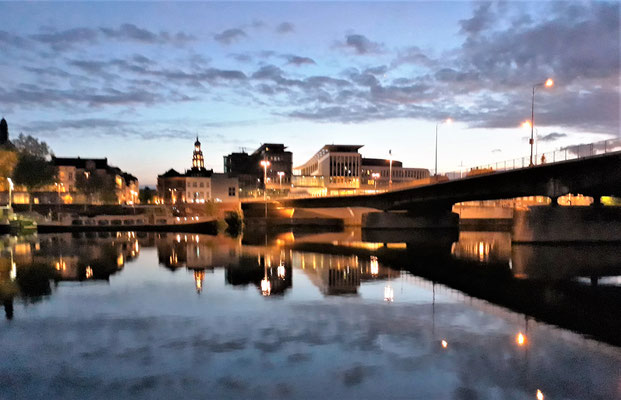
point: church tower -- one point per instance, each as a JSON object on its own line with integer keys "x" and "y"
{"x": 198, "y": 162}
{"x": 4, "y": 132}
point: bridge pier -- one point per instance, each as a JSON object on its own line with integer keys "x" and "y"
{"x": 547, "y": 224}
{"x": 436, "y": 219}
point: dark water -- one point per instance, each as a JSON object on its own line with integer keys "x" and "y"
{"x": 332, "y": 315}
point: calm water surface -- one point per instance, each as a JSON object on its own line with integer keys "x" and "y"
{"x": 333, "y": 315}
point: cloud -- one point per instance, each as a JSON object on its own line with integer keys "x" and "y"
{"x": 285, "y": 27}
{"x": 551, "y": 137}
{"x": 298, "y": 60}
{"x": 66, "y": 39}
{"x": 9, "y": 39}
{"x": 361, "y": 45}
{"x": 134, "y": 33}
{"x": 482, "y": 19}
{"x": 230, "y": 35}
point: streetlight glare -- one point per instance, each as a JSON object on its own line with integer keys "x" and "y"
{"x": 526, "y": 124}
{"x": 448, "y": 121}
{"x": 10, "y": 183}
{"x": 549, "y": 82}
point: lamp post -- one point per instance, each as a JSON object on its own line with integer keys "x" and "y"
{"x": 390, "y": 170}
{"x": 265, "y": 164}
{"x": 280, "y": 175}
{"x": 11, "y": 187}
{"x": 375, "y": 175}
{"x": 447, "y": 121}
{"x": 548, "y": 83}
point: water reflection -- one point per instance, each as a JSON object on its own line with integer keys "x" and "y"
{"x": 376, "y": 317}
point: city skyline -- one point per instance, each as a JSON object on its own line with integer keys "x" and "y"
{"x": 137, "y": 82}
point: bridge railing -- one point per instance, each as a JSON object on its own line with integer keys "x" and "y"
{"x": 563, "y": 154}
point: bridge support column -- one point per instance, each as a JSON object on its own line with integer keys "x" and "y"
{"x": 437, "y": 219}
{"x": 550, "y": 224}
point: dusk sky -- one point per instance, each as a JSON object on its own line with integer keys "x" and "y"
{"x": 136, "y": 82}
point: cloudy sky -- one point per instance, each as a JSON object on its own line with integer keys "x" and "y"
{"x": 136, "y": 82}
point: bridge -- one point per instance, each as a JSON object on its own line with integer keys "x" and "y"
{"x": 594, "y": 176}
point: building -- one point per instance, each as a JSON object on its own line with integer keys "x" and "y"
{"x": 341, "y": 170}
{"x": 197, "y": 184}
{"x": 378, "y": 172}
{"x": 248, "y": 169}
{"x": 70, "y": 170}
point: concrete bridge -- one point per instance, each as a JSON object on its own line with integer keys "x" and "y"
{"x": 430, "y": 206}
{"x": 594, "y": 176}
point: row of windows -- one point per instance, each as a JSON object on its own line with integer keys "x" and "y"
{"x": 344, "y": 165}
{"x": 398, "y": 173}
{"x": 202, "y": 184}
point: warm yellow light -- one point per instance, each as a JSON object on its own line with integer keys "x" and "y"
{"x": 266, "y": 287}
{"x": 444, "y": 344}
{"x": 448, "y": 121}
{"x": 280, "y": 271}
{"x": 549, "y": 83}
{"x": 526, "y": 124}
{"x": 89, "y": 272}
{"x": 374, "y": 266}
{"x": 520, "y": 339}
{"x": 265, "y": 163}
{"x": 539, "y": 395}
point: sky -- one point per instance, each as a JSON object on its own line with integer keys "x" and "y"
{"x": 137, "y": 82}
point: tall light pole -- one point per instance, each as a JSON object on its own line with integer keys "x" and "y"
{"x": 280, "y": 175}
{"x": 11, "y": 187}
{"x": 375, "y": 176}
{"x": 447, "y": 121}
{"x": 265, "y": 164}
{"x": 390, "y": 170}
{"x": 548, "y": 83}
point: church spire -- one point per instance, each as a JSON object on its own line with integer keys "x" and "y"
{"x": 197, "y": 158}
{"x": 4, "y": 132}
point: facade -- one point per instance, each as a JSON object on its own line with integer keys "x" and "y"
{"x": 126, "y": 185}
{"x": 341, "y": 170}
{"x": 247, "y": 168}
{"x": 333, "y": 170}
{"x": 397, "y": 173}
{"x": 198, "y": 184}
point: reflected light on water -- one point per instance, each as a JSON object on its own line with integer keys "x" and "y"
{"x": 374, "y": 266}
{"x": 539, "y": 395}
{"x": 281, "y": 271}
{"x": 198, "y": 280}
{"x": 266, "y": 287}
{"x": 520, "y": 339}
{"x": 89, "y": 272}
{"x": 444, "y": 344}
{"x": 389, "y": 294}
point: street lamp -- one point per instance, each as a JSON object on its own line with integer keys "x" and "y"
{"x": 11, "y": 187}
{"x": 265, "y": 164}
{"x": 447, "y": 121}
{"x": 390, "y": 170}
{"x": 548, "y": 83}
{"x": 375, "y": 175}
{"x": 280, "y": 175}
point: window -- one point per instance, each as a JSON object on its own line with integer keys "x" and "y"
{"x": 202, "y": 184}
{"x": 194, "y": 184}
{"x": 232, "y": 191}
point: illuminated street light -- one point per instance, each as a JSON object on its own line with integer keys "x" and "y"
{"x": 375, "y": 176}
{"x": 444, "y": 344}
{"x": 539, "y": 395}
{"x": 390, "y": 170}
{"x": 265, "y": 164}
{"x": 280, "y": 175}
{"x": 11, "y": 187}
{"x": 548, "y": 83}
{"x": 447, "y": 121}
{"x": 520, "y": 339}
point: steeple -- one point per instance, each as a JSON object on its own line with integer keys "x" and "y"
{"x": 198, "y": 162}
{"x": 4, "y": 132}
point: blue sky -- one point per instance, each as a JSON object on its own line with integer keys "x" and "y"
{"x": 136, "y": 82}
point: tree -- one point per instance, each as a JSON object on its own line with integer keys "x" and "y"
{"x": 8, "y": 161}
{"x": 146, "y": 195}
{"x": 26, "y": 144}
{"x": 96, "y": 186}
{"x": 33, "y": 172}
